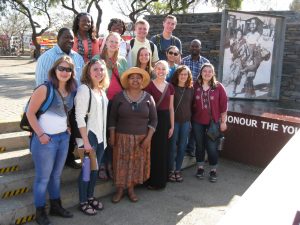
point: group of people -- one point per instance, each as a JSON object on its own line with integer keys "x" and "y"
{"x": 137, "y": 106}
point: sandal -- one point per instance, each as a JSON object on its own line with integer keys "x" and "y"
{"x": 102, "y": 174}
{"x": 178, "y": 176}
{"x": 132, "y": 197}
{"x": 97, "y": 205}
{"x": 87, "y": 209}
{"x": 172, "y": 177}
{"x": 117, "y": 196}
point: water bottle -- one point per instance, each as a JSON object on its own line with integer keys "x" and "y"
{"x": 86, "y": 168}
{"x": 221, "y": 143}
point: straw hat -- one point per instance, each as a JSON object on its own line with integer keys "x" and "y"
{"x": 135, "y": 70}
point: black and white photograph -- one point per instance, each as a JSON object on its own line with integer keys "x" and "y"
{"x": 248, "y": 55}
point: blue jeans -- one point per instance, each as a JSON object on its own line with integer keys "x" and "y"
{"x": 204, "y": 142}
{"x": 86, "y": 189}
{"x": 49, "y": 161}
{"x": 191, "y": 143}
{"x": 178, "y": 144}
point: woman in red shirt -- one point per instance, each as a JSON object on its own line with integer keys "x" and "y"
{"x": 210, "y": 102}
{"x": 86, "y": 42}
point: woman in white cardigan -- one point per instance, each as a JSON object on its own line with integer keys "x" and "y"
{"x": 94, "y": 81}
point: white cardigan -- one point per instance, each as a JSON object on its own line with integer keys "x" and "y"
{"x": 97, "y": 116}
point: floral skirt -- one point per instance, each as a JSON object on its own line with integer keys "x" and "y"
{"x": 131, "y": 163}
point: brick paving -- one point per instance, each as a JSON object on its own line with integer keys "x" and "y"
{"x": 16, "y": 85}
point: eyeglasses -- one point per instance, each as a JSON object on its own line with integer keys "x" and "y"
{"x": 173, "y": 53}
{"x": 134, "y": 106}
{"x": 62, "y": 68}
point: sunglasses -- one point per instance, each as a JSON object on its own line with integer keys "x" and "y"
{"x": 62, "y": 68}
{"x": 173, "y": 53}
{"x": 134, "y": 106}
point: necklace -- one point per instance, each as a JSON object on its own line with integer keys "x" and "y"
{"x": 81, "y": 46}
{"x": 62, "y": 92}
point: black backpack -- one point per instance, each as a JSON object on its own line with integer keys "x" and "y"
{"x": 158, "y": 44}
{"x": 24, "y": 124}
{"x": 151, "y": 44}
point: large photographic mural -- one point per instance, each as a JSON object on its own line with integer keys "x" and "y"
{"x": 251, "y": 54}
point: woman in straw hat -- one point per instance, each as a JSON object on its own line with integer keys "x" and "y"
{"x": 132, "y": 123}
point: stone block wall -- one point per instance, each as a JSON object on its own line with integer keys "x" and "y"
{"x": 207, "y": 28}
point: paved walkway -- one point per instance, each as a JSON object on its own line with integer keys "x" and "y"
{"x": 192, "y": 202}
{"x": 16, "y": 85}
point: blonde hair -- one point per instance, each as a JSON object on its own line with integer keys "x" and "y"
{"x": 86, "y": 78}
{"x": 143, "y": 22}
{"x": 104, "y": 54}
{"x": 162, "y": 62}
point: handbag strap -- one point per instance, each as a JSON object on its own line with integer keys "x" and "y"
{"x": 114, "y": 72}
{"x": 179, "y": 100}
{"x": 162, "y": 95}
{"x": 89, "y": 106}
{"x": 65, "y": 107}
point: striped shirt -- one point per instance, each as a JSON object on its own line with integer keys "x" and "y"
{"x": 47, "y": 59}
{"x": 194, "y": 66}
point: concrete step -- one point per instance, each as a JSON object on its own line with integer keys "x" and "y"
{"x": 14, "y": 184}
{"x": 21, "y": 209}
{"x": 9, "y": 127}
{"x": 18, "y": 208}
{"x": 15, "y": 161}
{"x": 20, "y": 182}
{"x": 13, "y": 141}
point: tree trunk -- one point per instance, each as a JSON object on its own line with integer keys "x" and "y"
{"x": 37, "y": 50}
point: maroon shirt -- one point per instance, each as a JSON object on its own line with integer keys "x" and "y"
{"x": 165, "y": 103}
{"x": 217, "y": 103}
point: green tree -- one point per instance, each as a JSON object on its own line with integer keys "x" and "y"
{"x": 135, "y": 8}
{"x": 295, "y": 5}
{"x": 33, "y": 10}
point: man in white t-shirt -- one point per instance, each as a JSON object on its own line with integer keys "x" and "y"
{"x": 141, "y": 29}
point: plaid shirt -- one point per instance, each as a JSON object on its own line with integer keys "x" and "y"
{"x": 194, "y": 66}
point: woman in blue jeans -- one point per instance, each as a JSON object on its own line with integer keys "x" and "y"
{"x": 94, "y": 81}
{"x": 209, "y": 103}
{"x": 50, "y": 139}
{"x": 182, "y": 82}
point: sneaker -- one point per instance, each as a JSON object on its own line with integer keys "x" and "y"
{"x": 213, "y": 176}
{"x": 200, "y": 173}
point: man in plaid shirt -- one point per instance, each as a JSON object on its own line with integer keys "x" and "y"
{"x": 194, "y": 61}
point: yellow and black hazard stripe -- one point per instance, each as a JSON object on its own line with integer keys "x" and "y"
{"x": 2, "y": 149}
{"x": 19, "y": 191}
{"x": 9, "y": 169}
{"x": 25, "y": 219}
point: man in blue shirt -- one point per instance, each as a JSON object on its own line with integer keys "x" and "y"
{"x": 65, "y": 41}
{"x": 194, "y": 61}
{"x": 166, "y": 39}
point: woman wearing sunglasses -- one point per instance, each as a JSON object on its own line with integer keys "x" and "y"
{"x": 50, "y": 139}
{"x": 94, "y": 81}
{"x": 132, "y": 123}
{"x": 173, "y": 56}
